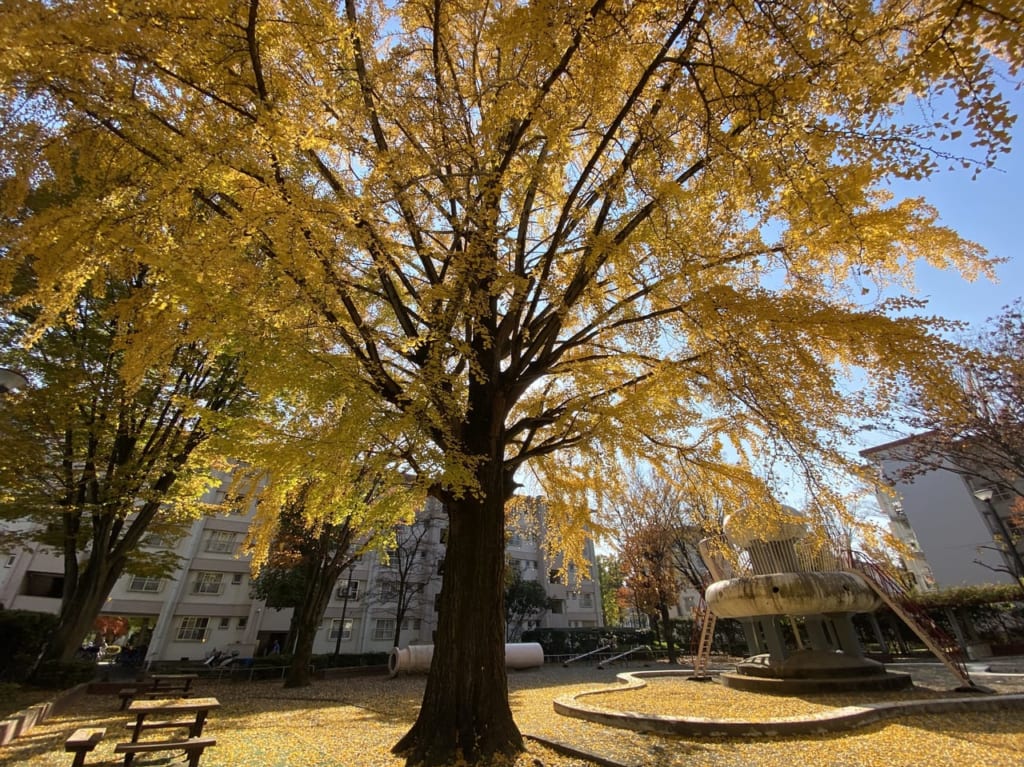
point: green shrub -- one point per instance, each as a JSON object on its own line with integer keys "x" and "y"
{"x": 728, "y": 637}
{"x": 349, "y": 660}
{"x": 278, "y": 660}
{"x": 577, "y": 641}
{"x": 22, "y": 636}
{"x": 61, "y": 675}
{"x": 970, "y": 596}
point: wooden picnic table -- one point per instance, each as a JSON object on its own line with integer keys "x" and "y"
{"x": 180, "y": 712}
{"x": 159, "y": 686}
{"x": 181, "y": 682}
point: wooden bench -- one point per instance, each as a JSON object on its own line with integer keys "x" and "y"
{"x": 82, "y": 742}
{"x": 184, "y": 724}
{"x": 161, "y": 692}
{"x": 126, "y": 694}
{"x": 193, "y": 747}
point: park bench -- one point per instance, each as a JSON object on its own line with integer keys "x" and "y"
{"x": 184, "y": 724}
{"x": 82, "y": 741}
{"x": 193, "y": 748}
{"x": 159, "y": 687}
{"x": 126, "y": 694}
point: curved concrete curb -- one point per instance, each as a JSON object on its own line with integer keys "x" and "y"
{"x": 576, "y": 753}
{"x": 845, "y": 718}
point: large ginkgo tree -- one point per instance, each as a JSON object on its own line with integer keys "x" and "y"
{"x": 546, "y": 236}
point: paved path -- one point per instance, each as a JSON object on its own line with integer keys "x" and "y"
{"x": 1003, "y": 675}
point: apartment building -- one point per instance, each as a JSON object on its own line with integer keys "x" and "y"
{"x": 952, "y": 536}
{"x": 207, "y": 603}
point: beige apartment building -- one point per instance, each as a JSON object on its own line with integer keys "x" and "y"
{"x": 957, "y": 528}
{"x": 207, "y": 603}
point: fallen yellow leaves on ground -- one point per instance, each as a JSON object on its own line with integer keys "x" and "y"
{"x": 354, "y": 722}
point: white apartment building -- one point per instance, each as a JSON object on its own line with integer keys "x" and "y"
{"x": 207, "y": 604}
{"x": 951, "y": 535}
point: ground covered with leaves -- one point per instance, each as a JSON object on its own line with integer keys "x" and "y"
{"x": 354, "y": 722}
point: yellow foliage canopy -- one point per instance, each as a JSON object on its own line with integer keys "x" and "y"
{"x": 546, "y": 234}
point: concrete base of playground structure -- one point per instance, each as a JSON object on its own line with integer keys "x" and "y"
{"x": 811, "y": 671}
{"x": 845, "y": 718}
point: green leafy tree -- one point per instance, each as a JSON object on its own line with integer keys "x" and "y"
{"x": 305, "y": 562}
{"x": 611, "y": 579}
{"x": 100, "y": 454}
{"x": 525, "y": 600}
{"x": 318, "y": 526}
{"x": 540, "y": 235}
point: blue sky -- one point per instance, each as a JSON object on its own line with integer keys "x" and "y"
{"x": 989, "y": 211}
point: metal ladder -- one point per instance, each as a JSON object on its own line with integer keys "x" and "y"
{"x": 702, "y": 653}
{"x": 935, "y": 638}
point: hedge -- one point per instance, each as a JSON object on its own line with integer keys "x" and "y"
{"x": 22, "y": 636}
{"x": 580, "y": 640}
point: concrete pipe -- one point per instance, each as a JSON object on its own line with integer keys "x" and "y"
{"x": 415, "y": 659}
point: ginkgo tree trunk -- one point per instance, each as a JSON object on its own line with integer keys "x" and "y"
{"x": 546, "y": 237}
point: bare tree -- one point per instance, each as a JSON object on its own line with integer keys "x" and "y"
{"x": 409, "y": 569}
{"x": 975, "y": 425}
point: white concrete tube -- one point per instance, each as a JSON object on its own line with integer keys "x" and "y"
{"x": 524, "y": 655}
{"x": 415, "y": 659}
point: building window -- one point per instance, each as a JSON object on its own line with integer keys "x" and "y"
{"x": 193, "y": 629}
{"x": 221, "y": 542}
{"x": 557, "y": 606}
{"x": 554, "y": 575}
{"x": 208, "y": 583}
{"x": 236, "y": 579}
{"x": 242, "y": 623}
{"x": 43, "y": 585}
{"x": 349, "y": 589}
{"x": 225, "y": 623}
{"x": 344, "y": 626}
{"x": 384, "y": 629}
{"x": 388, "y": 591}
{"x": 411, "y": 624}
{"x": 157, "y": 541}
{"x": 144, "y": 583}
{"x": 586, "y": 600}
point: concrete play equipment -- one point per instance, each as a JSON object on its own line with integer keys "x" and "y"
{"x": 415, "y": 659}
{"x": 788, "y": 576}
